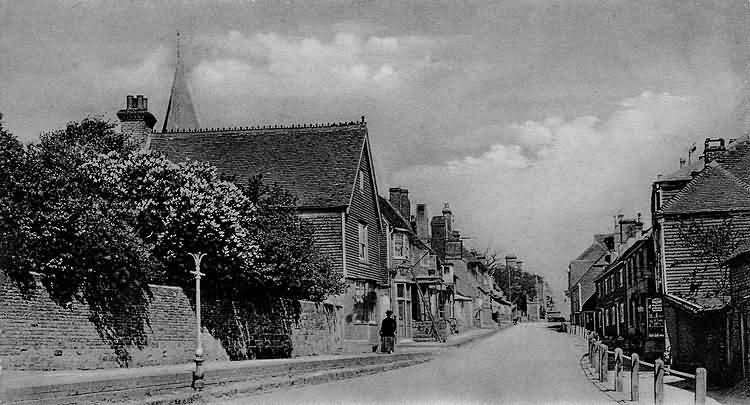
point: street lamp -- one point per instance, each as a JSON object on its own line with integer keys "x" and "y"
{"x": 508, "y": 259}
{"x": 198, "y": 373}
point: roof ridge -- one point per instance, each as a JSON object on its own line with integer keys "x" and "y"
{"x": 588, "y": 269}
{"x": 395, "y": 211}
{"x": 690, "y": 186}
{"x": 733, "y": 177}
{"x": 270, "y": 126}
{"x": 711, "y": 167}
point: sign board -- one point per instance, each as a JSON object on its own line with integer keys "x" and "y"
{"x": 654, "y": 317}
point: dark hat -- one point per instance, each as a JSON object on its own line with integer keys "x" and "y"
{"x": 389, "y": 312}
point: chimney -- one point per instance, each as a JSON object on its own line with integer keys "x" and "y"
{"x": 136, "y": 122}
{"x": 423, "y": 228}
{"x": 638, "y": 226}
{"x": 399, "y": 199}
{"x": 682, "y": 162}
{"x": 713, "y": 149}
{"x": 439, "y": 236}
{"x": 448, "y": 215}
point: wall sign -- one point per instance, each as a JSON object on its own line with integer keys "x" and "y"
{"x": 654, "y": 317}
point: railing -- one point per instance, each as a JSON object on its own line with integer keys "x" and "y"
{"x": 599, "y": 353}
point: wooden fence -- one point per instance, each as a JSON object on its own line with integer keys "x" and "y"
{"x": 599, "y": 360}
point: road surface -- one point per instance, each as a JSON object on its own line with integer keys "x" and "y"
{"x": 525, "y": 364}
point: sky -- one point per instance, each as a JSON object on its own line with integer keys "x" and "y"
{"x": 538, "y": 121}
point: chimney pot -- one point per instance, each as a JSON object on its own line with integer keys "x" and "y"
{"x": 129, "y": 103}
{"x": 713, "y": 148}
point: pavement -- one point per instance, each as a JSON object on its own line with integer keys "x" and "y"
{"x": 672, "y": 395}
{"x": 529, "y": 363}
{"x": 171, "y": 384}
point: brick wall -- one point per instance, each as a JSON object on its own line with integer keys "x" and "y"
{"x": 37, "y": 334}
{"x": 317, "y": 330}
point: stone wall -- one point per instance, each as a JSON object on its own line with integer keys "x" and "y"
{"x": 38, "y": 334}
{"x": 317, "y": 331}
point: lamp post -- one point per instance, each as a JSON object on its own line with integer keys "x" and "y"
{"x": 198, "y": 373}
{"x": 508, "y": 260}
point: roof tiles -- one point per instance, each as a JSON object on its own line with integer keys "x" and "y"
{"x": 317, "y": 164}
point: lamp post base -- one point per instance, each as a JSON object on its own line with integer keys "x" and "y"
{"x": 198, "y": 373}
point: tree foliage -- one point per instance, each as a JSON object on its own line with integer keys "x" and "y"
{"x": 711, "y": 243}
{"x": 290, "y": 265}
{"x": 97, "y": 221}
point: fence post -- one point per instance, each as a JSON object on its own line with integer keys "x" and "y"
{"x": 700, "y": 386}
{"x": 597, "y": 357}
{"x": 604, "y": 366}
{"x": 659, "y": 382}
{"x": 618, "y": 370}
{"x": 635, "y": 390}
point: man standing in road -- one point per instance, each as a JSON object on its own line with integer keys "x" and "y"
{"x": 388, "y": 333}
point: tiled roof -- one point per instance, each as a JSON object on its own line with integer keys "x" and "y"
{"x": 715, "y": 189}
{"x": 392, "y": 215}
{"x": 737, "y": 152}
{"x": 697, "y": 304}
{"x": 397, "y": 220}
{"x": 742, "y": 248}
{"x": 316, "y": 163}
{"x": 596, "y": 249}
{"x": 685, "y": 173}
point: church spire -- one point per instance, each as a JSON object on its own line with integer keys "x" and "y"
{"x": 180, "y": 110}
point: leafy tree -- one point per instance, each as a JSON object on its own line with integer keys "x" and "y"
{"x": 178, "y": 209}
{"x": 711, "y": 244}
{"x": 98, "y": 221}
{"x": 290, "y": 265}
{"x": 80, "y": 244}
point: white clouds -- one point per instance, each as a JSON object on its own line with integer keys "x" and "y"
{"x": 272, "y": 65}
{"x": 581, "y": 172}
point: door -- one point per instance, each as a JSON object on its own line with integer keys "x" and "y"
{"x": 403, "y": 320}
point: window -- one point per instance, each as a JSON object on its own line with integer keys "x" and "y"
{"x": 400, "y": 245}
{"x": 363, "y": 242}
{"x": 364, "y": 301}
{"x": 621, "y": 281}
{"x": 361, "y": 180}
{"x": 621, "y": 312}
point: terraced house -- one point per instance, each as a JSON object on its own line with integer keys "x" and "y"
{"x": 627, "y": 299}
{"x": 418, "y": 288}
{"x": 582, "y": 273}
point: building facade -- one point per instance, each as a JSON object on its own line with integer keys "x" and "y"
{"x": 631, "y": 309}
{"x": 700, "y": 214}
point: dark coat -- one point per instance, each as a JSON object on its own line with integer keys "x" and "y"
{"x": 388, "y": 327}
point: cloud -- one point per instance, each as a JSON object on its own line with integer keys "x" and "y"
{"x": 273, "y": 65}
{"x": 581, "y": 172}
